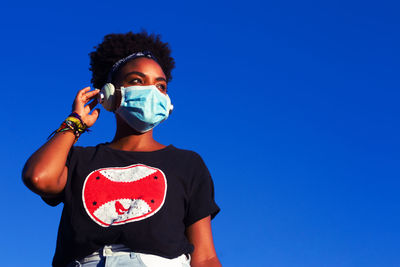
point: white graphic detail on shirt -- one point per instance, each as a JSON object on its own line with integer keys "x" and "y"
{"x": 132, "y": 208}
{"x": 127, "y": 175}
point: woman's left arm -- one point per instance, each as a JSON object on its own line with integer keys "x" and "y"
{"x": 200, "y": 235}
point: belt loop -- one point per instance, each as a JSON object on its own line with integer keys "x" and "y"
{"x": 132, "y": 255}
{"x": 107, "y": 251}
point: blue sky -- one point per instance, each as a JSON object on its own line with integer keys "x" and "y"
{"x": 292, "y": 104}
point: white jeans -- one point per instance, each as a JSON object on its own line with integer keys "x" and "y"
{"x": 119, "y": 256}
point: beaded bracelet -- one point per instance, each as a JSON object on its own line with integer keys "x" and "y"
{"x": 72, "y": 123}
{"x": 76, "y": 115}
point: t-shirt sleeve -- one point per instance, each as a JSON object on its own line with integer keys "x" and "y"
{"x": 55, "y": 200}
{"x": 201, "y": 197}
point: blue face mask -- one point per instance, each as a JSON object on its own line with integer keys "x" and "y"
{"x": 143, "y": 107}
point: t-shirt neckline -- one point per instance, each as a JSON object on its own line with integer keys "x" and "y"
{"x": 166, "y": 148}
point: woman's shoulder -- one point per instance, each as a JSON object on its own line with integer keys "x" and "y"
{"x": 187, "y": 157}
{"x": 85, "y": 151}
{"x": 186, "y": 153}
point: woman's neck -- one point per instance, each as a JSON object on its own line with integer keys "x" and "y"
{"x": 128, "y": 139}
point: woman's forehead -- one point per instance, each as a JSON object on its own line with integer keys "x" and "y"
{"x": 144, "y": 65}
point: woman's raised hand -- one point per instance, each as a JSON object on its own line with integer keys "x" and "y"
{"x": 84, "y": 109}
{"x": 45, "y": 172}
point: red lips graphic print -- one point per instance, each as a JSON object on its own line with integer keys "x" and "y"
{"x": 119, "y": 195}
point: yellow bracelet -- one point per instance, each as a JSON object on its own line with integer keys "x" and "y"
{"x": 74, "y": 124}
{"x": 81, "y": 127}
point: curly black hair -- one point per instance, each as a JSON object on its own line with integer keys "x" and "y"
{"x": 116, "y": 46}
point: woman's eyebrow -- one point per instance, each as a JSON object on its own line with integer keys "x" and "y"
{"x": 135, "y": 72}
{"x": 143, "y": 75}
{"x": 161, "y": 79}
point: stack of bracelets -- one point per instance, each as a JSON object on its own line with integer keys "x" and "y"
{"x": 72, "y": 123}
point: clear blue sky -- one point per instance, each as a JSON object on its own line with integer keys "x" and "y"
{"x": 292, "y": 104}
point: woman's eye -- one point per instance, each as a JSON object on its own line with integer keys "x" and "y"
{"x": 135, "y": 81}
{"x": 162, "y": 87}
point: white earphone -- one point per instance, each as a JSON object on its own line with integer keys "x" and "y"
{"x": 107, "y": 97}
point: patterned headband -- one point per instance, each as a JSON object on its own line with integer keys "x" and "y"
{"x": 121, "y": 62}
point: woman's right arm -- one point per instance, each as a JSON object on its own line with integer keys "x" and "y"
{"x": 45, "y": 172}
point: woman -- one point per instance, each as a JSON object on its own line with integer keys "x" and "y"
{"x": 133, "y": 201}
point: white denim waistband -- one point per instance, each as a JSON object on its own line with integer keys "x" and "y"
{"x": 147, "y": 259}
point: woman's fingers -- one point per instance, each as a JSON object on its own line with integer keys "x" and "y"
{"x": 90, "y": 95}
{"x": 91, "y": 118}
{"x": 92, "y": 104}
{"x": 81, "y": 93}
{"x": 79, "y": 99}
{"x": 83, "y": 107}
{"x": 85, "y": 95}
{"x": 82, "y": 98}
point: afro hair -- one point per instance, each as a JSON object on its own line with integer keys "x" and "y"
{"x": 117, "y": 46}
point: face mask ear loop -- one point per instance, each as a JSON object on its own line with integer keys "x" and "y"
{"x": 170, "y": 106}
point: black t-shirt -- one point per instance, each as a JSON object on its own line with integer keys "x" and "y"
{"x": 144, "y": 200}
